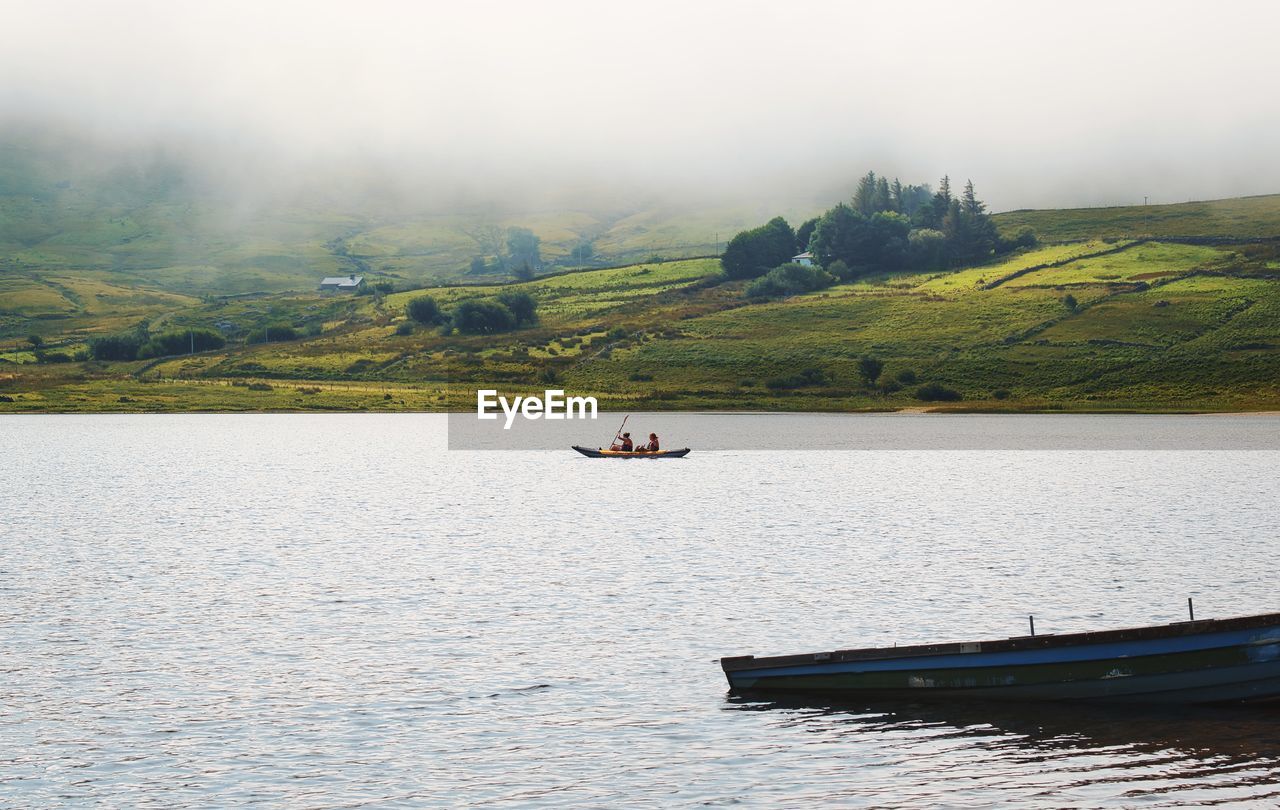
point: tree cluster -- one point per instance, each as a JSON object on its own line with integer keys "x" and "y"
{"x": 753, "y": 253}
{"x": 140, "y": 344}
{"x": 477, "y": 316}
{"x": 885, "y": 227}
{"x": 516, "y": 251}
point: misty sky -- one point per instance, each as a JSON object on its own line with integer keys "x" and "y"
{"x": 1041, "y": 104}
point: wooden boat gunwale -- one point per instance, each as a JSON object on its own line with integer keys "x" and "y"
{"x": 1046, "y": 641}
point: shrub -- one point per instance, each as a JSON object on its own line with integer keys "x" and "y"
{"x": 6, "y": 398}
{"x": 483, "y": 317}
{"x": 806, "y": 378}
{"x": 259, "y": 386}
{"x": 35, "y": 340}
{"x": 272, "y": 334}
{"x": 637, "y": 377}
{"x": 906, "y": 377}
{"x": 616, "y": 333}
{"x": 1024, "y": 238}
{"x": 424, "y": 310}
{"x": 936, "y": 392}
{"x": 549, "y": 376}
{"x": 1069, "y": 301}
{"x": 790, "y": 279}
{"x": 115, "y": 347}
{"x": 840, "y": 270}
{"x": 523, "y": 308}
{"x": 869, "y": 369}
{"x": 182, "y": 341}
{"x": 1000, "y": 393}
{"x": 404, "y": 328}
{"x": 53, "y": 357}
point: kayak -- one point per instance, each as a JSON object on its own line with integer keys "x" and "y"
{"x": 600, "y": 452}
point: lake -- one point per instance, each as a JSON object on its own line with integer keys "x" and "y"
{"x": 335, "y": 611}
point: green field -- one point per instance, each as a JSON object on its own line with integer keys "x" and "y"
{"x": 1102, "y": 317}
{"x": 1239, "y": 218}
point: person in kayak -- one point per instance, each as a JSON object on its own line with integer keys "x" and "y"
{"x": 625, "y": 445}
{"x": 652, "y": 446}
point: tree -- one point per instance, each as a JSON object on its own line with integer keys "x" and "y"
{"x": 35, "y": 340}
{"x": 883, "y": 198}
{"x": 524, "y": 272}
{"x": 478, "y": 265}
{"x": 1069, "y": 301}
{"x": 182, "y": 341}
{"x": 934, "y": 214}
{"x": 115, "y": 347}
{"x": 522, "y": 249}
{"x": 927, "y": 249}
{"x": 522, "y": 305}
{"x": 424, "y": 310}
{"x": 869, "y": 369}
{"x": 970, "y": 232}
{"x": 833, "y": 236}
{"x": 803, "y": 233}
{"x": 753, "y": 253}
{"x": 864, "y": 199}
{"x": 483, "y": 317}
{"x": 866, "y": 244}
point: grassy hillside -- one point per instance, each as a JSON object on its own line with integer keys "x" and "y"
{"x": 1100, "y": 324}
{"x": 1240, "y": 218}
{"x": 67, "y": 209}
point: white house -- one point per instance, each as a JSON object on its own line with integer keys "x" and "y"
{"x": 805, "y": 258}
{"x": 349, "y": 283}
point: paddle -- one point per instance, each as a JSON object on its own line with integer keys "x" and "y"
{"x": 618, "y": 435}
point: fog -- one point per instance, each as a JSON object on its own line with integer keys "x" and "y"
{"x": 1068, "y": 104}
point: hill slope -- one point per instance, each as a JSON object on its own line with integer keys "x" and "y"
{"x": 1101, "y": 324}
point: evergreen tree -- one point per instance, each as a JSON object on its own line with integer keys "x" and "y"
{"x": 895, "y": 197}
{"x": 883, "y": 201}
{"x": 864, "y": 199}
{"x": 803, "y": 233}
{"x": 972, "y": 205}
{"x": 936, "y": 213}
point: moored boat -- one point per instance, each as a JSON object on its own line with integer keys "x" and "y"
{"x": 1205, "y": 661}
{"x": 601, "y": 452}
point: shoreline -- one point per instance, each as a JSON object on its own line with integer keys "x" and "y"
{"x": 911, "y": 411}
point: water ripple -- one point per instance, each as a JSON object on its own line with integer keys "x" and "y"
{"x": 331, "y": 611}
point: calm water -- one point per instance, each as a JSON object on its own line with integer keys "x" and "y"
{"x": 332, "y": 611}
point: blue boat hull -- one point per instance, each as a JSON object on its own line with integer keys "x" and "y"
{"x": 1192, "y": 662}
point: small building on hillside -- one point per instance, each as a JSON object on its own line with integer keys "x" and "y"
{"x": 805, "y": 258}
{"x": 342, "y": 283}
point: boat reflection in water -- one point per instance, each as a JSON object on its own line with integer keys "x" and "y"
{"x": 1032, "y": 754}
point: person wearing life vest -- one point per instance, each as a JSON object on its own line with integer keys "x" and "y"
{"x": 625, "y": 445}
{"x": 652, "y": 446}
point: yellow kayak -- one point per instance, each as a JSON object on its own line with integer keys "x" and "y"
{"x": 600, "y": 452}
